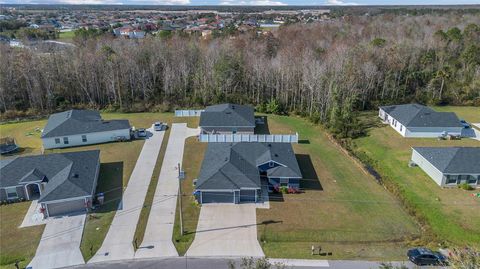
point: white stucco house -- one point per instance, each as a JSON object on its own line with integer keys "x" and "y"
{"x": 449, "y": 166}
{"x": 414, "y": 120}
{"x": 82, "y": 127}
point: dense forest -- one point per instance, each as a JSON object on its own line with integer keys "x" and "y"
{"x": 324, "y": 71}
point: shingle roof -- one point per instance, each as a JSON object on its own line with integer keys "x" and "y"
{"x": 227, "y": 115}
{"x": 235, "y": 165}
{"x": 70, "y": 174}
{"x": 452, "y": 160}
{"x": 73, "y": 122}
{"x": 415, "y": 115}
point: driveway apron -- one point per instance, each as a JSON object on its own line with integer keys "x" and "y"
{"x": 60, "y": 243}
{"x": 226, "y": 230}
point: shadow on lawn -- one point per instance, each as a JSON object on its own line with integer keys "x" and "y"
{"x": 310, "y": 178}
{"x": 110, "y": 183}
{"x": 262, "y": 128}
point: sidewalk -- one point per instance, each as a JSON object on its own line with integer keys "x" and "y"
{"x": 157, "y": 240}
{"x": 118, "y": 244}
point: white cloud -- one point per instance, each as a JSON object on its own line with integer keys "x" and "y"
{"x": 340, "y": 3}
{"x": 102, "y": 2}
{"x": 252, "y": 3}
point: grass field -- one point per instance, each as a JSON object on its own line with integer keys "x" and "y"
{"x": 451, "y": 215}
{"x": 66, "y": 36}
{"x": 343, "y": 209}
{"x": 118, "y": 161}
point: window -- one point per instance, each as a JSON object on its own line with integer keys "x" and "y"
{"x": 11, "y": 192}
{"x": 84, "y": 138}
{"x": 401, "y": 127}
{"x": 451, "y": 179}
{"x": 472, "y": 180}
{"x": 65, "y": 140}
{"x": 57, "y": 140}
{"x": 284, "y": 182}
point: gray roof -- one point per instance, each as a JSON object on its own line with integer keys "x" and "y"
{"x": 235, "y": 165}
{"x": 452, "y": 160}
{"x": 74, "y": 121}
{"x": 415, "y": 115}
{"x": 68, "y": 175}
{"x": 227, "y": 115}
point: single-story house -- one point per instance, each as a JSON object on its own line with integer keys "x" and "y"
{"x": 233, "y": 172}
{"x": 82, "y": 127}
{"x": 414, "y": 120}
{"x": 62, "y": 182}
{"x": 449, "y": 166}
{"x": 227, "y": 119}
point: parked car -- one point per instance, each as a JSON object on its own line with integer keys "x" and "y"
{"x": 465, "y": 124}
{"x": 425, "y": 256}
{"x": 158, "y": 126}
{"x": 141, "y": 132}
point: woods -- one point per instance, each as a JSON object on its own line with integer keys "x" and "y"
{"x": 322, "y": 71}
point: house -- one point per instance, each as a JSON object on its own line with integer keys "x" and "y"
{"x": 414, "y": 120}
{"x": 61, "y": 182}
{"x": 227, "y": 119}
{"x": 449, "y": 166}
{"x": 82, "y": 127}
{"x": 236, "y": 172}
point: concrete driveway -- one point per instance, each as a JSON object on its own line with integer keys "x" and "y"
{"x": 118, "y": 244}
{"x": 157, "y": 240}
{"x": 226, "y": 230}
{"x": 60, "y": 243}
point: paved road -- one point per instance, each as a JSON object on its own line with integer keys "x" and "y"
{"x": 118, "y": 243}
{"x": 216, "y": 263}
{"x": 157, "y": 240}
{"x": 60, "y": 243}
{"x": 226, "y": 230}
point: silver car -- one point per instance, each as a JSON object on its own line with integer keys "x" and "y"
{"x": 158, "y": 126}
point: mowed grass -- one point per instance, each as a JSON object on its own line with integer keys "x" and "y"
{"x": 192, "y": 161}
{"x": 66, "y": 36}
{"x": 16, "y": 245}
{"x": 343, "y": 209}
{"x": 117, "y": 163}
{"x": 452, "y": 215}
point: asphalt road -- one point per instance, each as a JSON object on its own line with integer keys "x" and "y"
{"x": 222, "y": 263}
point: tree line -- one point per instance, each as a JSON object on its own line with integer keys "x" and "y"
{"x": 324, "y": 71}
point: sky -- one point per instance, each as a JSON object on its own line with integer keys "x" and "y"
{"x": 247, "y": 2}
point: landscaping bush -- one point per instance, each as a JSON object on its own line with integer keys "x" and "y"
{"x": 465, "y": 186}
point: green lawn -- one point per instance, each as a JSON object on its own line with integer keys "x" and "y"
{"x": 66, "y": 36}
{"x": 343, "y": 209}
{"x": 118, "y": 161}
{"x": 451, "y": 216}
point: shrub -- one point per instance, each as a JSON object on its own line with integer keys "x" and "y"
{"x": 465, "y": 186}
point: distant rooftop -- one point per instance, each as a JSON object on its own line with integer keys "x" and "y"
{"x": 415, "y": 115}
{"x": 73, "y": 122}
{"x": 228, "y": 115}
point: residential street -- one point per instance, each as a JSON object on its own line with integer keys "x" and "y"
{"x": 222, "y": 263}
{"x": 159, "y": 231}
{"x": 226, "y": 230}
{"x": 118, "y": 244}
{"x": 60, "y": 243}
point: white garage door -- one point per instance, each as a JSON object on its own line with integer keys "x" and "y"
{"x": 62, "y": 208}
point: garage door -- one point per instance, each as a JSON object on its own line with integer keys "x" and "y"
{"x": 217, "y": 197}
{"x": 66, "y": 207}
{"x": 247, "y": 195}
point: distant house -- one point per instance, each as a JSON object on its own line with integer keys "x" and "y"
{"x": 227, "y": 119}
{"x": 414, "y": 120}
{"x": 82, "y": 127}
{"x": 129, "y": 32}
{"x": 233, "y": 172}
{"x": 62, "y": 183}
{"x": 449, "y": 166}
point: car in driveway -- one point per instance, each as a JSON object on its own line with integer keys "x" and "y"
{"x": 425, "y": 256}
{"x": 141, "y": 132}
{"x": 158, "y": 126}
